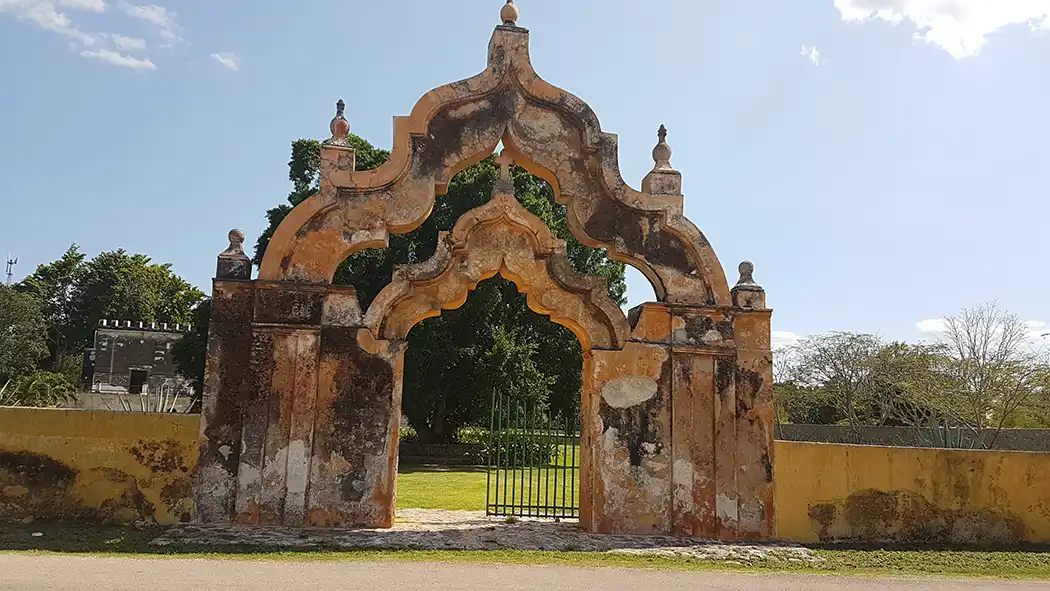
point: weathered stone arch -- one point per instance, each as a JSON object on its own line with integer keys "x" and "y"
{"x": 303, "y": 389}
{"x": 500, "y": 237}
{"x": 550, "y": 132}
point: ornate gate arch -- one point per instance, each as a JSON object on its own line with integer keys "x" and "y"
{"x": 302, "y": 389}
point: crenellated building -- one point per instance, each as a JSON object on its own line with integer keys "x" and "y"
{"x": 131, "y": 366}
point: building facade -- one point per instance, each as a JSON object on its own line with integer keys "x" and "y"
{"x": 132, "y": 367}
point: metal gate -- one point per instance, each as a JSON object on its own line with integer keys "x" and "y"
{"x": 533, "y": 461}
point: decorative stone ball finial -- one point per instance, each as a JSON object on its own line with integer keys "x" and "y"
{"x": 233, "y": 263}
{"x": 340, "y": 127}
{"x": 662, "y": 151}
{"x": 236, "y": 242}
{"x": 509, "y": 14}
{"x": 747, "y": 274}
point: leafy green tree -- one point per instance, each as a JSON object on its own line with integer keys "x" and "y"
{"x": 304, "y": 171}
{"x": 75, "y": 293}
{"x": 23, "y": 342}
{"x": 52, "y": 285}
{"x": 190, "y": 352}
{"x": 450, "y": 366}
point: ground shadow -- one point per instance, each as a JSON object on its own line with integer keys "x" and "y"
{"x": 414, "y": 468}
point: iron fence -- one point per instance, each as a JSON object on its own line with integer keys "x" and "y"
{"x": 533, "y": 461}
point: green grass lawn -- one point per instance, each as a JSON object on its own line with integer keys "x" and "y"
{"x": 461, "y": 489}
{"x": 464, "y": 489}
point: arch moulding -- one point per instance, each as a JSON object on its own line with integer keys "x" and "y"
{"x": 548, "y": 131}
{"x": 302, "y": 393}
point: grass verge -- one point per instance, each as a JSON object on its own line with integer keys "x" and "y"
{"x": 83, "y": 538}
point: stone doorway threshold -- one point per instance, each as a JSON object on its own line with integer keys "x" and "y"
{"x": 435, "y": 529}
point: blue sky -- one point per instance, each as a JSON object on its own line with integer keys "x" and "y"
{"x": 883, "y": 162}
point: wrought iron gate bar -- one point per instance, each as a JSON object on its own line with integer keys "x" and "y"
{"x": 528, "y": 451}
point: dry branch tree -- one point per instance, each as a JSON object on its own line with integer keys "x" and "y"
{"x": 840, "y": 363}
{"x": 995, "y": 368}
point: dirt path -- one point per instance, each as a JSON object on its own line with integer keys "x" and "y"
{"x": 19, "y": 572}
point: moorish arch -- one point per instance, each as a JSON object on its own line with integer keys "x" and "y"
{"x": 303, "y": 387}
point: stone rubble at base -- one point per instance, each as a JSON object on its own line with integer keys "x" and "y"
{"x": 437, "y": 529}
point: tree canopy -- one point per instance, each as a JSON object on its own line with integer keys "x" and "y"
{"x": 494, "y": 341}
{"x": 74, "y": 293}
{"x": 22, "y": 335}
{"x": 982, "y": 373}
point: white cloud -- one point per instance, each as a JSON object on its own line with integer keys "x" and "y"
{"x": 783, "y": 339}
{"x": 960, "y": 27}
{"x": 811, "y": 53}
{"x": 128, "y": 43}
{"x": 89, "y": 5}
{"x": 161, "y": 18}
{"x": 46, "y": 15}
{"x": 227, "y": 60}
{"x": 119, "y": 59}
{"x": 1033, "y": 336}
{"x": 932, "y": 326}
{"x": 63, "y": 18}
{"x": 1036, "y": 330}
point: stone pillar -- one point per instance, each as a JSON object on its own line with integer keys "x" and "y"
{"x": 754, "y": 403}
{"x": 278, "y": 398}
{"x": 353, "y": 469}
{"x": 702, "y": 344}
{"x": 228, "y": 357}
{"x": 627, "y": 440}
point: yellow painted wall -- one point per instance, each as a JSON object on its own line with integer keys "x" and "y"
{"x": 127, "y": 466}
{"x": 888, "y": 494}
{"x": 119, "y": 466}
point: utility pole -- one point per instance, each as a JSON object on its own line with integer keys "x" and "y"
{"x": 11, "y": 262}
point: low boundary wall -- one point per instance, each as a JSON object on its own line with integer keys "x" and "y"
{"x": 99, "y": 465}
{"x": 867, "y": 494}
{"x": 127, "y": 467}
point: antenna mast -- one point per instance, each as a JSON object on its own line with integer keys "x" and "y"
{"x": 11, "y": 262}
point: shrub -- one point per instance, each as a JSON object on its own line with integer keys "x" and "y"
{"x": 38, "y": 389}
{"x": 522, "y": 449}
{"x": 473, "y": 435}
{"x": 408, "y": 434}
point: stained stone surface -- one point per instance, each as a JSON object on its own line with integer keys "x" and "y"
{"x": 302, "y": 390}
{"x": 435, "y": 529}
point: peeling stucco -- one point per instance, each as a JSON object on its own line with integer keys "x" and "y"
{"x": 103, "y": 466}
{"x": 303, "y": 387}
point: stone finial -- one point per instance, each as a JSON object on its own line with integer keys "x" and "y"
{"x": 662, "y": 151}
{"x": 663, "y": 179}
{"x": 233, "y": 263}
{"x": 339, "y": 126}
{"x": 747, "y": 293}
{"x": 236, "y": 242}
{"x": 509, "y": 14}
{"x": 747, "y": 274}
{"x": 505, "y": 183}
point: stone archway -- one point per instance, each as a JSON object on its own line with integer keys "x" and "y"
{"x": 302, "y": 386}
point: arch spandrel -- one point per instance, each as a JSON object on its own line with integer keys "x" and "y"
{"x": 557, "y": 137}
{"x": 500, "y": 237}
